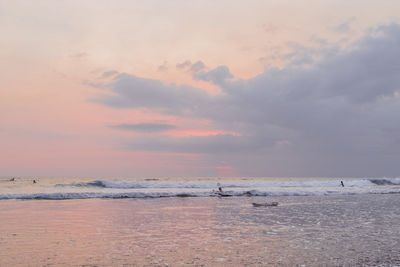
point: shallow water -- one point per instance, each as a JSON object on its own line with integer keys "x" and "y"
{"x": 343, "y": 230}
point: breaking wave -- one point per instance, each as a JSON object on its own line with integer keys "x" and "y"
{"x": 250, "y": 193}
{"x": 154, "y": 188}
{"x": 238, "y": 184}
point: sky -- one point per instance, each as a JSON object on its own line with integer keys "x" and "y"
{"x": 211, "y": 88}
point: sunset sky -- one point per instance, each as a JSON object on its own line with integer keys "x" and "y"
{"x": 200, "y": 88}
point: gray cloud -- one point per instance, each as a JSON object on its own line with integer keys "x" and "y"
{"x": 145, "y": 127}
{"x": 215, "y": 144}
{"x": 197, "y": 66}
{"x": 163, "y": 67}
{"x": 217, "y": 76}
{"x": 184, "y": 65}
{"x": 129, "y": 91}
{"x": 108, "y": 74}
{"x": 345, "y": 26}
{"x": 335, "y": 115}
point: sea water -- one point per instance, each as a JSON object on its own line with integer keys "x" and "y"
{"x": 334, "y": 230}
{"x": 182, "y": 222}
{"x": 82, "y": 188}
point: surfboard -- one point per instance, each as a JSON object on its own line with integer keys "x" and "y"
{"x": 224, "y": 194}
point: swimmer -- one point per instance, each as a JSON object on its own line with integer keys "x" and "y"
{"x": 341, "y": 182}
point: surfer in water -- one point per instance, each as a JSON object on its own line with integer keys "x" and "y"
{"x": 219, "y": 187}
{"x": 341, "y": 183}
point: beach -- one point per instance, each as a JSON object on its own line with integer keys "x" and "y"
{"x": 199, "y": 133}
{"x": 337, "y": 230}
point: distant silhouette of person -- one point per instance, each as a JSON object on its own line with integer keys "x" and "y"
{"x": 34, "y": 181}
{"x": 219, "y": 187}
{"x": 341, "y": 182}
{"x": 12, "y": 179}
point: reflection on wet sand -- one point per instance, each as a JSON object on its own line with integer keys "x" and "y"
{"x": 342, "y": 230}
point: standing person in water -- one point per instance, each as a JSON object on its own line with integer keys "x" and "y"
{"x": 341, "y": 182}
{"x": 219, "y": 187}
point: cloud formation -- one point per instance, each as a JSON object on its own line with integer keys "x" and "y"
{"x": 145, "y": 127}
{"x": 345, "y": 26}
{"x": 129, "y": 91}
{"x": 217, "y": 76}
{"x": 183, "y": 65}
{"x": 197, "y": 67}
{"x": 108, "y": 74}
{"x": 163, "y": 67}
{"x": 337, "y": 114}
{"x": 214, "y": 144}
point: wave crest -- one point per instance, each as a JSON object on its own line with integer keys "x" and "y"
{"x": 250, "y": 193}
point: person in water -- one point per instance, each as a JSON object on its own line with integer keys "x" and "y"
{"x": 34, "y": 181}
{"x": 341, "y": 182}
{"x": 219, "y": 187}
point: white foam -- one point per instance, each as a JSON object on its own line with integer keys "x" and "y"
{"x": 82, "y": 189}
{"x": 236, "y": 184}
{"x": 292, "y": 192}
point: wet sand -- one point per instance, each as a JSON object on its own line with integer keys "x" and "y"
{"x": 355, "y": 230}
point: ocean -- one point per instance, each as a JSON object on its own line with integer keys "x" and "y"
{"x": 185, "y": 222}
{"x": 83, "y": 188}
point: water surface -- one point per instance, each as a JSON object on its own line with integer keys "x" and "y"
{"x": 339, "y": 230}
